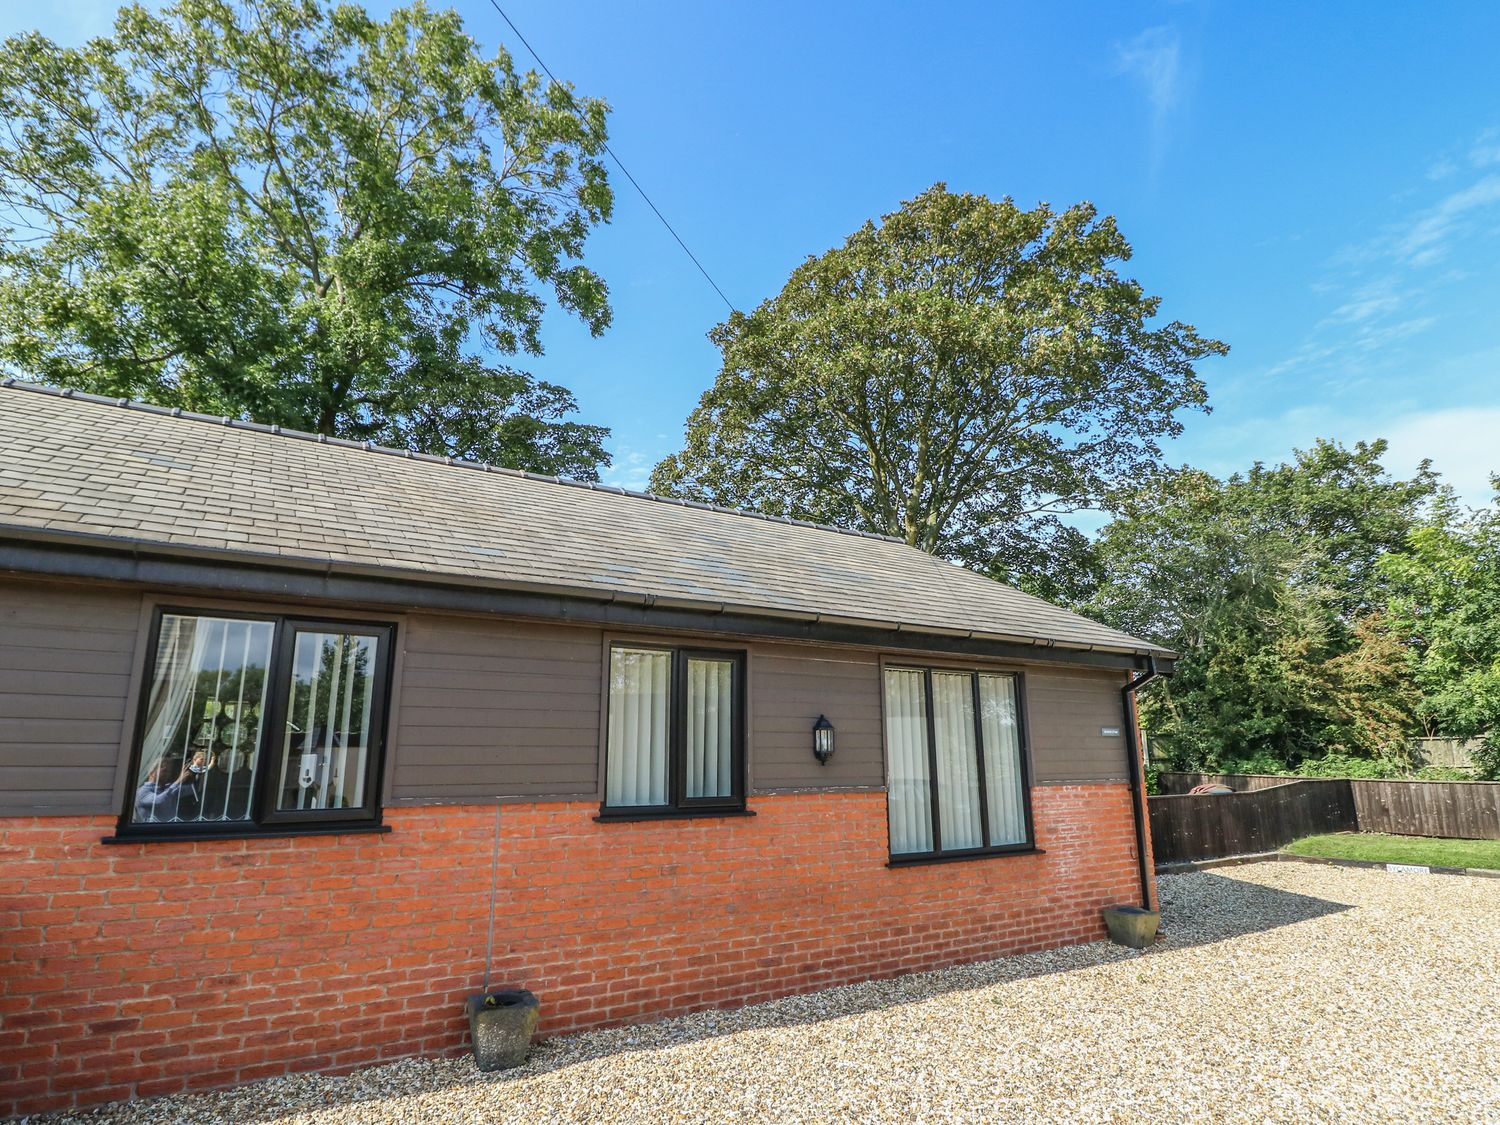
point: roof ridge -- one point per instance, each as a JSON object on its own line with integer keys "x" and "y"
{"x": 10, "y": 382}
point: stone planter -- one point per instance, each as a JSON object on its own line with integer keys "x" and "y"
{"x": 1134, "y": 926}
{"x": 501, "y": 1030}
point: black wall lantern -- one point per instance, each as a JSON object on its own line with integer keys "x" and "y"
{"x": 822, "y": 740}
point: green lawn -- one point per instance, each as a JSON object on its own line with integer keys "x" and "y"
{"x": 1401, "y": 849}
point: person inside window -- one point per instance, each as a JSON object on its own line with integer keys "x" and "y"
{"x": 158, "y": 799}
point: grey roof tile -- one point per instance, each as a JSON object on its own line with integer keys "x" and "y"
{"x": 190, "y": 481}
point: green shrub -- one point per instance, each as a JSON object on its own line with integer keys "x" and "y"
{"x": 1342, "y": 765}
{"x": 1153, "y": 780}
{"x": 1486, "y": 758}
{"x": 1260, "y": 763}
{"x": 1447, "y": 773}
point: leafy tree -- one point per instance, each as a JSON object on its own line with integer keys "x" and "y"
{"x": 1444, "y": 602}
{"x": 1270, "y": 586}
{"x": 292, "y": 212}
{"x": 1375, "y": 698}
{"x": 1342, "y": 512}
{"x": 960, "y": 375}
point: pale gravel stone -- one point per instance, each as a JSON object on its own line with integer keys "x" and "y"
{"x": 1282, "y": 993}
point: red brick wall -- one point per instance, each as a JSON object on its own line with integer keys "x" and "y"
{"x": 133, "y": 970}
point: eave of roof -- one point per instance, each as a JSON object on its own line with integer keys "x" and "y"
{"x": 228, "y": 573}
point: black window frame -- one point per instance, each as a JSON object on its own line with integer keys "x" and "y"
{"x": 1023, "y": 751}
{"x": 265, "y": 819}
{"x": 678, "y": 803}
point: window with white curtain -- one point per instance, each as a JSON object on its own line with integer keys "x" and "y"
{"x": 957, "y": 772}
{"x": 674, "y": 739}
{"x": 255, "y": 721}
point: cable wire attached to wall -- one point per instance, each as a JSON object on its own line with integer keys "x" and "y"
{"x": 621, "y": 165}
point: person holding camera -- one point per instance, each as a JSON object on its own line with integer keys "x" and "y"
{"x": 158, "y": 799}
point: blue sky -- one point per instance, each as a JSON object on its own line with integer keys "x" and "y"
{"x": 1316, "y": 184}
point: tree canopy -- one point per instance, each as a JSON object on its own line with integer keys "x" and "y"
{"x": 1444, "y": 604}
{"x": 961, "y": 375}
{"x": 292, "y": 212}
{"x": 1271, "y": 585}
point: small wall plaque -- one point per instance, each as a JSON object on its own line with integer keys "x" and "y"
{"x": 1109, "y": 732}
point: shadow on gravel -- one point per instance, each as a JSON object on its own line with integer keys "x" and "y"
{"x": 1197, "y": 909}
{"x": 1202, "y": 907}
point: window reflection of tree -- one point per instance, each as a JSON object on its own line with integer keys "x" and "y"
{"x": 326, "y": 718}
{"x": 225, "y": 727}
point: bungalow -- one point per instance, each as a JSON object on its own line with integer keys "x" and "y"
{"x": 302, "y": 740}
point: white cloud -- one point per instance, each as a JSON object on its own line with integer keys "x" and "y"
{"x": 629, "y": 469}
{"x": 1154, "y": 58}
{"x": 1384, "y": 292}
{"x": 1481, "y": 152}
{"x": 1464, "y": 445}
{"x": 1485, "y": 149}
{"x": 1351, "y": 346}
{"x": 1365, "y": 302}
{"x": 1428, "y": 238}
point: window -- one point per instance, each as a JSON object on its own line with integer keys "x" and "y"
{"x": 675, "y": 733}
{"x": 962, "y": 729}
{"x": 259, "y": 722}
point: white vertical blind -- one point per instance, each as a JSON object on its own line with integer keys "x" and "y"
{"x": 957, "y": 760}
{"x": 710, "y": 707}
{"x": 636, "y": 752}
{"x": 1002, "y": 759}
{"x": 910, "y": 797}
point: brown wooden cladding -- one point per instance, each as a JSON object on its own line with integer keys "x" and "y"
{"x": 790, "y": 687}
{"x": 1067, "y": 710}
{"x": 492, "y": 709}
{"x": 66, "y": 654}
{"x": 482, "y": 708}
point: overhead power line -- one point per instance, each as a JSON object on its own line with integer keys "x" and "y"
{"x": 621, "y": 165}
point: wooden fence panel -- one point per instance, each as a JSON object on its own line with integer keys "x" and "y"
{"x": 1177, "y": 783}
{"x": 1190, "y": 828}
{"x": 1452, "y": 752}
{"x": 1267, "y": 812}
{"x": 1466, "y": 810}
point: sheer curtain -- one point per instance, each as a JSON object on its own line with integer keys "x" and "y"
{"x": 179, "y": 657}
{"x": 207, "y": 695}
{"x": 710, "y": 705}
{"x": 1002, "y": 759}
{"x": 957, "y": 760}
{"x": 910, "y": 797}
{"x": 636, "y": 753}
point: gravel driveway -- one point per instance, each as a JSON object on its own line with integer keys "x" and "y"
{"x": 1284, "y": 992}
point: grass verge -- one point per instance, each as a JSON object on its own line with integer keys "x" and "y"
{"x": 1421, "y": 850}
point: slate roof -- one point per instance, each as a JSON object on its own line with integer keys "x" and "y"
{"x": 107, "y": 472}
